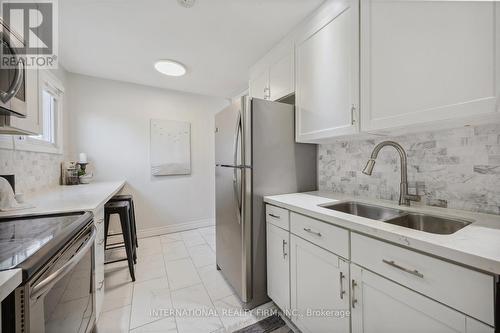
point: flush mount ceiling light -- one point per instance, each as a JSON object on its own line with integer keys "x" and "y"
{"x": 170, "y": 67}
{"x": 186, "y": 3}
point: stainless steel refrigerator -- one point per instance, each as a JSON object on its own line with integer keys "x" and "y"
{"x": 256, "y": 155}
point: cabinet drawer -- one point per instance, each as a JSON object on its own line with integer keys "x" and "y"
{"x": 325, "y": 235}
{"x": 278, "y": 216}
{"x": 461, "y": 288}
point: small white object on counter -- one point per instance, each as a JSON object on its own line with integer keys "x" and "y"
{"x": 476, "y": 245}
{"x": 9, "y": 280}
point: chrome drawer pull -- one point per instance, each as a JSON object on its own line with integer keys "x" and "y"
{"x": 312, "y": 232}
{"x": 99, "y": 221}
{"x": 412, "y": 272}
{"x": 275, "y": 216}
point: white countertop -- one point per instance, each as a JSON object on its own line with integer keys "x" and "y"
{"x": 60, "y": 199}
{"x": 476, "y": 245}
{"x": 9, "y": 280}
{"x": 64, "y": 199}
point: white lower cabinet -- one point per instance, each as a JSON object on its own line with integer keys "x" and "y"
{"x": 380, "y": 305}
{"x": 99, "y": 259}
{"x": 403, "y": 290}
{"x": 278, "y": 266}
{"x": 319, "y": 288}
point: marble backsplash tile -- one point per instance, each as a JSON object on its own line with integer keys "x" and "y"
{"x": 457, "y": 168}
{"x": 34, "y": 171}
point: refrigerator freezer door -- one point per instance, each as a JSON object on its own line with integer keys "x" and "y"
{"x": 228, "y": 123}
{"x": 233, "y": 198}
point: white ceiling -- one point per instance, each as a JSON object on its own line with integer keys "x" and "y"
{"x": 218, "y": 40}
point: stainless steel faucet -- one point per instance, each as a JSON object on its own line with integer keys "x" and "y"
{"x": 404, "y": 197}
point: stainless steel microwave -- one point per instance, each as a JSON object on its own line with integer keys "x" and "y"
{"x": 12, "y": 75}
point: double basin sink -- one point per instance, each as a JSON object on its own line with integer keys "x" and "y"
{"x": 418, "y": 221}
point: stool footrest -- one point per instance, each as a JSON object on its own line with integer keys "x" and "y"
{"x": 113, "y": 261}
{"x": 114, "y": 246}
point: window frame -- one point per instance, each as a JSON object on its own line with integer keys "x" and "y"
{"x": 46, "y": 81}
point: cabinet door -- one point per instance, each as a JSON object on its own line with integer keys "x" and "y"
{"x": 259, "y": 86}
{"x": 278, "y": 266}
{"x": 327, "y": 74}
{"x": 428, "y": 63}
{"x": 281, "y": 82}
{"x": 319, "y": 282}
{"x": 380, "y": 305}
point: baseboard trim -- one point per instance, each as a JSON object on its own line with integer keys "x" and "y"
{"x": 168, "y": 229}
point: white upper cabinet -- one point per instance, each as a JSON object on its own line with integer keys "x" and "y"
{"x": 428, "y": 64}
{"x": 259, "y": 85}
{"x": 281, "y": 81}
{"x": 387, "y": 67}
{"x": 272, "y": 78}
{"x": 327, "y": 73}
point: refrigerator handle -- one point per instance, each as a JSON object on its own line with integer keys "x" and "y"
{"x": 237, "y": 191}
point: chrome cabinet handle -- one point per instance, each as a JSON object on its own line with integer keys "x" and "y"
{"x": 284, "y": 249}
{"x": 312, "y": 232}
{"x": 267, "y": 93}
{"x": 353, "y": 116}
{"x": 100, "y": 242}
{"x": 354, "y": 300}
{"x": 410, "y": 271}
{"x": 342, "y": 291}
{"x": 275, "y": 216}
{"x": 99, "y": 221}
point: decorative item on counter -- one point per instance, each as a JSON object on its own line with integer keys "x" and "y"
{"x": 84, "y": 177}
{"x": 70, "y": 173}
{"x": 83, "y": 159}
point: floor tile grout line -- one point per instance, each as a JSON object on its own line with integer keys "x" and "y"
{"x": 169, "y": 289}
{"x": 208, "y": 294}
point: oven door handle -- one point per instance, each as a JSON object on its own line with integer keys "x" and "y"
{"x": 42, "y": 287}
{"x": 6, "y": 96}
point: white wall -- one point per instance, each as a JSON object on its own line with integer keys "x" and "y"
{"x": 110, "y": 120}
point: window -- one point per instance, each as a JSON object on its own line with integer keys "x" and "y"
{"x": 50, "y": 117}
{"x": 48, "y": 113}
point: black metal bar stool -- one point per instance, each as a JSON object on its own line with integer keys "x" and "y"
{"x": 130, "y": 200}
{"x": 122, "y": 208}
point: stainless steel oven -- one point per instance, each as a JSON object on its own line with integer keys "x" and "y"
{"x": 12, "y": 74}
{"x": 61, "y": 296}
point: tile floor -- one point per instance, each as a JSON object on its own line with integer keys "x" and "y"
{"x": 177, "y": 289}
